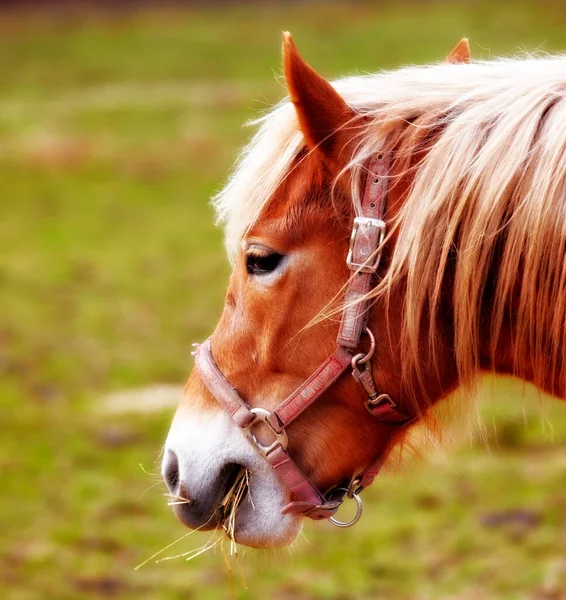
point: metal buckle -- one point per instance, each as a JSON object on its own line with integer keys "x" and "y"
{"x": 365, "y": 267}
{"x": 261, "y": 416}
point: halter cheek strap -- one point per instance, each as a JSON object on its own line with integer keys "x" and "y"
{"x": 363, "y": 259}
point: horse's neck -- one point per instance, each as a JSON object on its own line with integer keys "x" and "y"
{"x": 532, "y": 355}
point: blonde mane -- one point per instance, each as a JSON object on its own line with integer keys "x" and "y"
{"x": 491, "y": 187}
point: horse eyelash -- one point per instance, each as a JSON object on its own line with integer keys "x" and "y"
{"x": 276, "y": 257}
{"x": 259, "y": 251}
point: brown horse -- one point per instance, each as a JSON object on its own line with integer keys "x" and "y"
{"x": 468, "y": 167}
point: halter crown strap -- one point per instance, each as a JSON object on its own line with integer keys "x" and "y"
{"x": 365, "y": 252}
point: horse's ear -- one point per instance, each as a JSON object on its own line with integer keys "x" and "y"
{"x": 461, "y": 53}
{"x": 324, "y": 117}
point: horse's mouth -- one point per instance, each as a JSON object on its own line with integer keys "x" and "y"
{"x": 230, "y": 487}
{"x": 238, "y": 492}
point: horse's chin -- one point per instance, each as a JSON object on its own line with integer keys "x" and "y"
{"x": 250, "y": 532}
{"x": 259, "y": 522}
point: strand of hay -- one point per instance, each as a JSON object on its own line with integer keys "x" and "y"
{"x": 228, "y": 510}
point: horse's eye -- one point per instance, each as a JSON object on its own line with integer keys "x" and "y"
{"x": 257, "y": 264}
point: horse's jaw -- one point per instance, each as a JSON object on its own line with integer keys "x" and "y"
{"x": 202, "y": 445}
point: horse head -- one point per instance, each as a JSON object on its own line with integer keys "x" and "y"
{"x": 400, "y": 163}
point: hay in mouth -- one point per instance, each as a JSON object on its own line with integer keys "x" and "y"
{"x": 236, "y": 494}
{"x": 231, "y": 502}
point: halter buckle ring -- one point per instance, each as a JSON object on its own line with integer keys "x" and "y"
{"x": 356, "y": 517}
{"x": 360, "y": 359}
{"x": 261, "y": 416}
{"x": 355, "y": 487}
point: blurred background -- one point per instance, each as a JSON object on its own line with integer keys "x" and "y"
{"x": 117, "y": 123}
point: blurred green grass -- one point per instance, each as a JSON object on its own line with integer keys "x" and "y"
{"x": 114, "y": 131}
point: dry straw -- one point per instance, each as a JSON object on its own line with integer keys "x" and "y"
{"x": 228, "y": 509}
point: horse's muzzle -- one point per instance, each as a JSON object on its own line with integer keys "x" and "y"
{"x": 198, "y": 503}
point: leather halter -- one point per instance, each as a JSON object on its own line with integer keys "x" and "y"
{"x": 363, "y": 259}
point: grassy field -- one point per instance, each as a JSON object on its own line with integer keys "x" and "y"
{"x": 114, "y": 132}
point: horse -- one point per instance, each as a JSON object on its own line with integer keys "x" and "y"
{"x": 407, "y": 227}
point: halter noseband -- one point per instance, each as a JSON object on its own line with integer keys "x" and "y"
{"x": 363, "y": 259}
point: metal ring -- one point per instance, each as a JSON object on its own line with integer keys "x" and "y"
{"x": 357, "y": 516}
{"x": 360, "y": 359}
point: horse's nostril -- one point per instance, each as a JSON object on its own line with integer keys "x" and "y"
{"x": 171, "y": 473}
{"x": 204, "y": 501}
